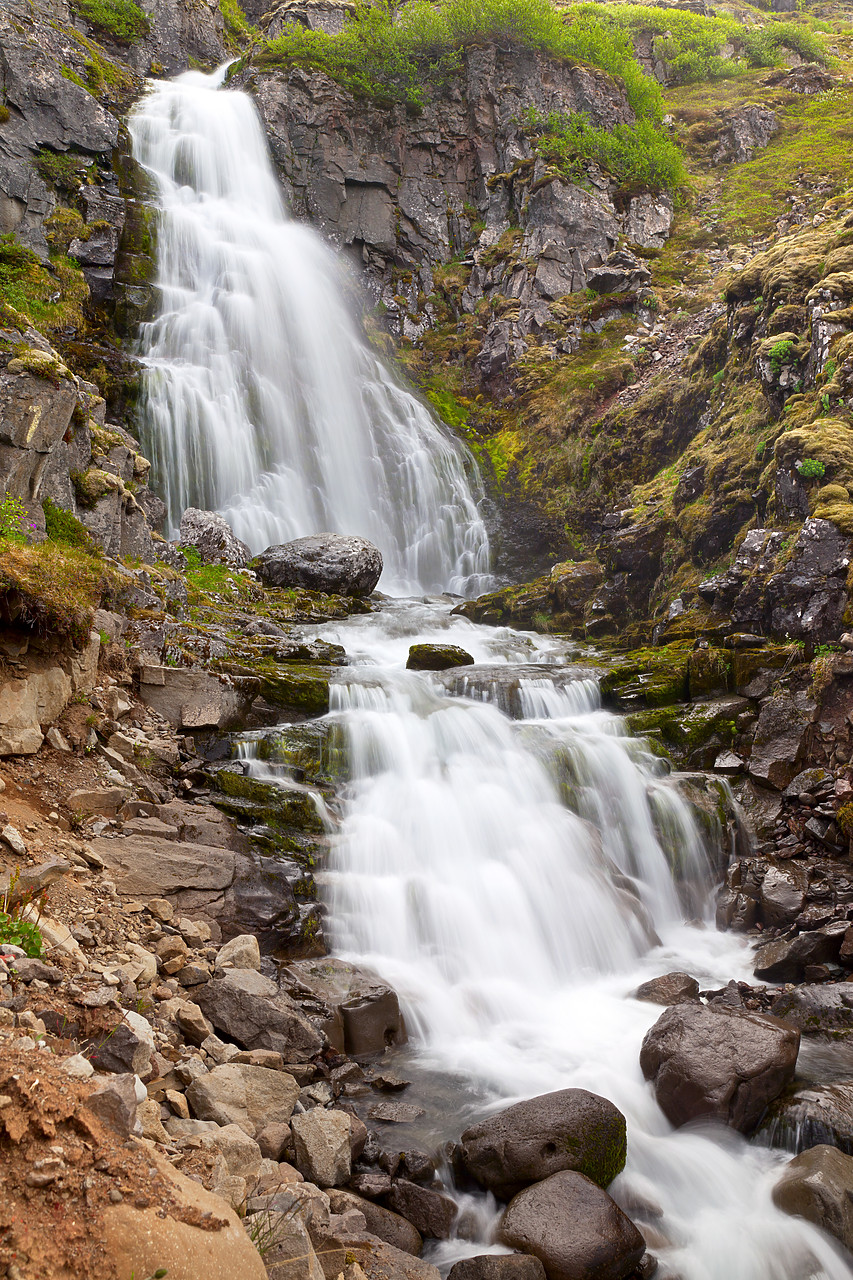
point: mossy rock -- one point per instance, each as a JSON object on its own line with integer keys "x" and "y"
{"x": 828, "y": 440}
{"x": 527, "y": 606}
{"x": 749, "y": 663}
{"x": 647, "y": 678}
{"x": 302, "y": 690}
{"x": 437, "y": 657}
{"x": 264, "y": 801}
{"x": 309, "y": 748}
{"x": 693, "y": 734}
{"x": 709, "y": 673}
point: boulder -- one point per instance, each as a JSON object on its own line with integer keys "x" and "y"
{"x": 213, "y": 539}
{"x": 568, "y": 1129}
{"x": 785, "y": 959}
{"x": 818, "y": 1185}
{"x": 376, "y": 1259}
{"x": 321, "y": 1140}
{"x": 388, "y": 1226}
{"x": 252, "y": 1010}
{"x": 241, "y": 952}
{"x": 431, "y": 1212}
{"x": 745, "y": 131}
{"x": 149, "y": 866}
{"x": 127, "y": 1047}
{"x": 783, "y": 895}
{"x": 574, "y": 1229}
{"x": 437, "y": 657}
{"x": 363, "y": 1012}
{"x": 241, "y": 1153}
{"x": 330, "y": 562}
{"x": 498, "y": 1266}
{"x": 718, "y": 1063}
{"x": 191, "y": 698}
{"x": 672, "y": 988}
{"x": 816, "y": 1007}
{"x": 200, "y": 1236}
{"x": 250, "y": 1097}
{"x": 812, "y": 1115}
{"x": 779, "y": 742}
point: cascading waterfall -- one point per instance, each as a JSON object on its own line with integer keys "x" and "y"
{"x": 260, "y": 399}
{"x": 514, "y": 929}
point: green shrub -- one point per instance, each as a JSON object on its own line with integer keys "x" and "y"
{"x": 238, "y": 29}
{"x": 122, "y": 19}
{"x": 14, "y": 521}
{"x": 16, "y": 932}
{"x": 811, "y": 468}
{"x": 638, "y": 155}
{"x": 62, "y": 527}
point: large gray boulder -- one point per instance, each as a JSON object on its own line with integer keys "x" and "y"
{"x": 249, "y": 1097}
{"x": 330, "y": 562}
{"x": 321, "y": 1140}
{"x": 568, "y": 1129}
{"x": 818, "y": 1185}
{"x": 574, "y": 1229}
{"x": 431, "y": 1212}
{"x": 213, "y": 539}
{"x": 362, "y": 1012}
{"x": 816, "y": 1008}
{"x": 718, "y": 1063}
{"x": 250, "y": 1009}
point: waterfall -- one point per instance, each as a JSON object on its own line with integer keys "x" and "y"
{"x": 259, "y": 398}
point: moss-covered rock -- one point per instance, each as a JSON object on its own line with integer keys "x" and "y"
{"x": 709, "y": 673}
{"x": 692, "y": 734}
{"x": 437, "y": 657}
{"x": 647, "y": 678}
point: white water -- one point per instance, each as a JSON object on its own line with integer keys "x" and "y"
{"x": 509, "y": 930}
{"x": 260, "y": 400}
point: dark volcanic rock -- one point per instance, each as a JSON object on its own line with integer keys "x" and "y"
{"x": 431, "y": 1212}
{"x": 331, "y": 562}
{"x": 569, "y": 1129}
{"x": 718, "y": 1063}
{"x": 251, "y": 1010}
{"x": 574, "y": 1228}
{"x": 786, "y": 959}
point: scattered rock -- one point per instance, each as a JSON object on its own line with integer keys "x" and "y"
{"x": 321, "y": 1140}
{"x": 437, "y": 657}
{"x": 250, "y": 1097}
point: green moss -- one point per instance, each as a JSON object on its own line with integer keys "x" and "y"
{"x": 92, "y": 485}
{"x": 277, "y": 806}
{"x": 48, "y": 296}
{"x": 710, "y": 672}
{"x": 121, "y": 19}
{"x": 65, "y": 170}
{"x": 64, "y": 528}
{"x": 647, "y": 678}
{"x": 692, "y": 734}
{"x": 238, "y": 30}
{"x": 53, "y": 589}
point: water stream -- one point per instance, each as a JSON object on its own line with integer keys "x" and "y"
{"x": 507, "y": 856}
{"x": 259, "y": 397}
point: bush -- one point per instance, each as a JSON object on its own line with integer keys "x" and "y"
{"x": 14, "y": 521}
{"x": 16, "y": 932}
{"x": 811, "y": 469}
{"x": 638, "y": 155}
{"x": 64, "y": 528}
{"x": 122, "y": 19}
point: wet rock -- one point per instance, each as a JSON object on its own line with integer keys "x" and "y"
{"x": 321, "y": 1140}
{"x": 718, "y": 1063}
{"x": 574, "y": 1228}
{"x": 363, "y": 1012}
{"x": 213, "y": 539}
{"x": 818, "y": 1185}
{"x": 816, "y": 1008}
{"x": 786, "y": 959}
{"x": 672, "y": 988}
{"x": 437, "y": 657}
{"x": 250, "y": 1097}
{"x": 568, "y": 1129}
{"x": 377, "y": 1259}
{"x": 330, "y": 562}
{"x": 783, "y": 896}
{"x": 251, "y": 1010}
{"x": 431, "y": 1212}
{"x": 396, "y": 1112}
{"x": 814, "y": 1115}
{"x": 779, "y": 742}
{"x": 491, "y": 1266}
{"x": 388, "y": 1226}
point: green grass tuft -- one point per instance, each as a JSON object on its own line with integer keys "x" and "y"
{"x": 122, "y": 19}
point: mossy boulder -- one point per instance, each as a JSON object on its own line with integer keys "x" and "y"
{"x": 278, "y": 806}
{"x": 437, "y": 657}
{"x": 647, "y": 678}
{"x": 709, "y": 673}
{"x": 692, "y": 734}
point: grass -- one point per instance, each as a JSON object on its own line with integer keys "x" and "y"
{"x": 404, "y": 60}
{"x": 51, "y": 587}
{"x": 50, "y": 296}
{"x": 640, "y": 155}
{"x": 122, "y": 19}
{"x": 65, "y": 529}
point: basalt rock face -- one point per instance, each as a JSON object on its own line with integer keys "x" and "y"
{"x": 405, "y": 194}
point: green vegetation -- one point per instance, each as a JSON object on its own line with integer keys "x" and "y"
{"x": 122, "y": 19}
{"x": 50, "y": 296}
{"x": 641, "y": 155}
{"x": 811, "y": 469}
{"x": 400, "y": 61}
{"x": 52, "y": 587}
{"x": 64, "y": 528}
{"x": 14, "y": 521}
{"x": 16, "y": 932}
{"x": 238, "y": 29}
{"x": 64, "y": 170}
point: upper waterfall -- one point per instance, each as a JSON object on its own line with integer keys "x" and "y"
{"x": 260, "y": 399}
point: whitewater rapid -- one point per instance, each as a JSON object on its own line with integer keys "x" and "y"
{"x": 515, "y": 929}
{"x": 260, "y": 399}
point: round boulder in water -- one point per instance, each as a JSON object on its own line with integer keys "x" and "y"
{"x": 569, "y": 1129}
{"x": 437, "y": 657}
{"x": 718, "y": 1063}
{"x": 574, "y": 1228}
{"x": 213, "y": 539}
{"x": 336, "y": 563}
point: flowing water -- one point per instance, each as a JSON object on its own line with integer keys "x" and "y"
{"x": 506, "y": 856}
{"x": 260, "y": 399}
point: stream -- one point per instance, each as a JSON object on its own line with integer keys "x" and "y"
{"x": 506, "y": 856}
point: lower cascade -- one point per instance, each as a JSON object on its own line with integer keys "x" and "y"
{"x": 260, "y": 400}
{"x": 515, "y": 866}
